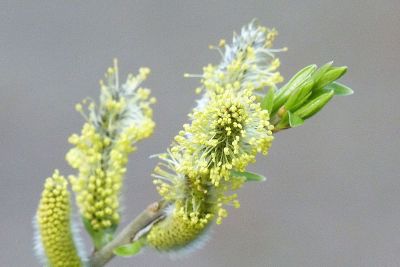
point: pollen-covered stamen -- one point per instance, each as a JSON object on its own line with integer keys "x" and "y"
{"x": 227, "y": 134}
{"x": 171, "y": 184}
{"x": 249, "y": 61}
{"x": 228, "y": 126}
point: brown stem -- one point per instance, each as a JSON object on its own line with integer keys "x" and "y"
{"x": 153, "y": 213}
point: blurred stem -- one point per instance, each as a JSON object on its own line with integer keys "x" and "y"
{"x": 153, "y": 213}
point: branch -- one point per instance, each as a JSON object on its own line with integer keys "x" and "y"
{"x": 153, "y": 213}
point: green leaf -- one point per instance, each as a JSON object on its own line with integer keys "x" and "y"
{"x": 268, "y": 100}
{"x": 330, "y": 76}
{"x": 300, "y": 102}
{"x": 129, "y": 249}
{"x": 339, "y": 89}
{"x": 321, "y": 71}
{"x": 314, "y": 105}
{"x": 300, "y": 77}
{"x": 250, "y": 176}
{"x": 299, "y": 95}
{"x": 295, "y": 120}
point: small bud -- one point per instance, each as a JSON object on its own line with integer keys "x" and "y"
{"x": 321, "y": 71}
{"x": 282, "y": 111}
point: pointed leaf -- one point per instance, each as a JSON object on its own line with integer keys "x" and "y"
{"x": 314, "y": 105}
{"x": 330, "y": 76}
{"x": 321, "y": 71}
{"x": 128, "y": 250}
{"x": 339, "y": 89}
{"x": 300, "y": 102}
{"x": 299, "y": 78}
{"x": 294, "y": 120}
{"x": 268, "y": 100}
{"x": 250, "y": 176}
{"x": 298, "y": 95}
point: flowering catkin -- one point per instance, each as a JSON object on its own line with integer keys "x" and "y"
{"x": 228, "y": 128}
{"x": 100, "y": 152}
{"x": 54, "y": 226}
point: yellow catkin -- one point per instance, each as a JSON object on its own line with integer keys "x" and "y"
{"x": 53, "y": 218}
{"x": 228, "y": 129}
{"x": 176, "y": 232}
{"x": 226, "y": 134}
{"x": 121, "y": 118}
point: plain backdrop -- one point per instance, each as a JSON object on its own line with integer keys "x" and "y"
{"x": 332, "y": 197}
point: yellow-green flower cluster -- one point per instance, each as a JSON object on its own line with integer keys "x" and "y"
{"x": 53, "y": 220}
{"x": 226, "y": 134}
{"x": 177, "y": 230}
{"x": 228, "y": 128}
{"x": 192, "y": 204}
{"x": 249, "y": 61}
{"x": 101, "y": 151}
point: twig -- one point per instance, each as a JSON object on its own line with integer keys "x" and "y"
{"x": 150, "y": 215}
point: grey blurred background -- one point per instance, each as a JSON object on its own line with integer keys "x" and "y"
{"x": 332, "y": 197}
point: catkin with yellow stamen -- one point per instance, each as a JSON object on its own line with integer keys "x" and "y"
{"x": 227, "y": 130}
{"x": 122, "y": 117}
{"x": 226, "y": 134}
{"x": 54, "y": 226}
{"x": 249, "y": 61}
